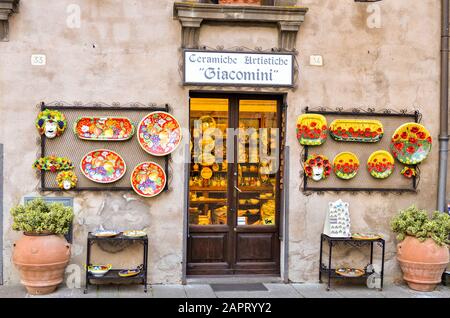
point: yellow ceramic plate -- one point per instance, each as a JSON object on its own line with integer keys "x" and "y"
{"x": 346, "y": 165}
{"x": 206, "y": 173}
{"x": 380, "y": 164}
{"x": 207, "y": 122}
{"x": 356, "y": 130}
{"x": 312, "y": 129}
{"x": 350, "y": 272}
{"x": 129, "y": 272}
{"x": 365, "y": 236}
{"x": 134, "y": 233}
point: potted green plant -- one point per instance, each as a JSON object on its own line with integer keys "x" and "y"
{"x": 423, "y": 249}
{"x": 42, "y": 253}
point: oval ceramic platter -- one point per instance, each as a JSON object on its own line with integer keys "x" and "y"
{"x": 411, "y": 143}
{"x": 380, "y": 164}
{"x": 148, "y": 179}
{"x": 312, "y": 129}
{"x": 103, "y": 166}
{"x": 104, "y": 128}
{"x": 346, "y": 165}
{"x": 356, "y": 130}
{"x": 159, "y": 133}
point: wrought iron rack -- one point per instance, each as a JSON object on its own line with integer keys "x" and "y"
{"x": 99, "y": 107}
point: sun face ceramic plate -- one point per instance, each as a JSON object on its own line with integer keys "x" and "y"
{"x": 317, "y": 167}
{"x": 312, "y": 129}
{"x": 380, "y": 164}
{"x": 148, "y": 179}
{"x": 356, "y": 130}
{"x": 346, "y": 165}
{"x": 411, "y": 143}
{"x": 104, "y": 128}
{"x": 103, "y": 166}
{"x": 159, "y": 133}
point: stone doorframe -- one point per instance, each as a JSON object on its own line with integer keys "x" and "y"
{"x": 193, "y": 15}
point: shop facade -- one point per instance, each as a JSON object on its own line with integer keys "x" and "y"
{"x": 378, "y": 58}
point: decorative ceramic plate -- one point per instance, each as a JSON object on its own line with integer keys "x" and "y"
{"x": 206, "y": 173}
{"x": 103, "y": 166}
{"x": 346, "y": 165}
{"x": 148, "y": 179}
{"x": 350, "y": 272}
{"x": 104, "y": 128}
{"x": 207, "y": 122}
{"x": 317, "y": 167}
{"x": 365, "y": 236}
{"x": 129, "y": 272}
{"x": 105, "y": 233}
{"x": 206, "y": 159}
{"x": 134, "y": 233}
{"x": 411, "y": 143}
{"x": 356, "y": 130}
{"x": 159, "y": 133}
{"x": 380, "y": 164}
{"x": 312, "y": 129}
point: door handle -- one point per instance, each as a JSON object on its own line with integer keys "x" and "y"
{"x": 235, "y": 229}
{"x": 239, "y": 190}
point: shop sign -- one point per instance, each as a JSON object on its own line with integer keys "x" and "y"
{"x": 238, "y": 68}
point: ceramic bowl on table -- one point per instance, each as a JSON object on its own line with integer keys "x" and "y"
{"x": 134, "y": 233}
{"x": 105, "y": 233}
{"x": 129, "y": 272}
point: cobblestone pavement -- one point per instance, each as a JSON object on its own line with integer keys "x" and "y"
{"x": 275, "y": 290}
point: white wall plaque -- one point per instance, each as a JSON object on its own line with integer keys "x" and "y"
{"x": 316, "y": 60}
{"x": 238, "y": 68}
{"x": 38, "y": 59}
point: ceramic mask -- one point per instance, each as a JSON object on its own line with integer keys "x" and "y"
{"x": 51, "y": 128}
{"x": 67, "y": 184}
{"x": 317, "y": 173}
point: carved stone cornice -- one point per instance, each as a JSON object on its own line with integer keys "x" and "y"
{"x": 7, "y": 7}
{"x": 193, "y": 15}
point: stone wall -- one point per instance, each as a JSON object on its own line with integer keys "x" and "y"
{"x": 129, "y": 51}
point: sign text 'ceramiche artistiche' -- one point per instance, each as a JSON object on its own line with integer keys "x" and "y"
{"x": 226, "y": 68}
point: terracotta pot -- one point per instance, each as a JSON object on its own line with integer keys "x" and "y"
{"x": 422, "y": 263}
{"x": 41, "y": 260}
{"x": 241, "y": 2}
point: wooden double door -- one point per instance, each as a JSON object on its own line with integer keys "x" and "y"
{"x": 234, "y": 185}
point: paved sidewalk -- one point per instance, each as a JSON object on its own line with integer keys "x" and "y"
{"x": 275, "y": 290}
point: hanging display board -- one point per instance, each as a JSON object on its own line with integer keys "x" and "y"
{"x": 238, "y": 68}
{"x": 363, "y": 181}
{"x": 71, "y": 146}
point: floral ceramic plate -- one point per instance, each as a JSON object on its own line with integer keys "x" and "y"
{"x": 104, "y": 128}
{"x": 346, "y": 165}
{"x": 365, "y": 236}
{"x": 380, "y": 164}
{"x": 350, "y": 272}
{"x": 148, "y": 179}
{"x": 411, "y": 143}
{"x": 103, "y": 166}
{"x": 207, "y": 122}
{"x": 312, "y": 129}
{"x": 159, "y": 133}
{"x": 53, "y": 164}
{"x": 317, "y": 167}
{"x": 206, "y": 173}
{"x": 356, "y": 130}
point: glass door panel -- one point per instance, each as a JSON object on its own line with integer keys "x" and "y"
{"x": 257, "y": 160}
{"x": 208, "y": 181}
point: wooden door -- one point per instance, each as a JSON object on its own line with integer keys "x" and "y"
{"x": 233, "y": 187}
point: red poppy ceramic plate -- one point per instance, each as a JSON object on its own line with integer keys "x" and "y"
{"x": 104, "y": 128}
{"x": 356, "y": 130}
{"x": 159, "y": 133}
{"x": 380, "y": 164}
{"x": 148, "y": 179}
{"x": 312, "y": 129}
{"x": 411, "y": 143}
{"x": 103, "y": 166}
{"x": 346, "y": 165}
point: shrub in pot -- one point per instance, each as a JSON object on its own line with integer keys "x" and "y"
{"x": 42, "y": 253}
{"x": 423, "y": 249}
